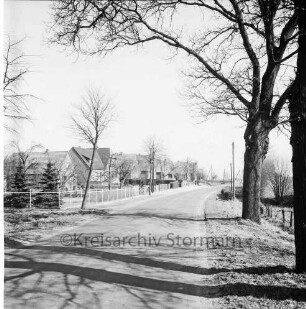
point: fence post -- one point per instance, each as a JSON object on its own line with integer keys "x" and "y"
{"x": 291, "y": 218}
{"x": 283, "y": 212}
{"x": 30, "y": 198}
{"x": 270, "y": 211}
{"x": 59, "y": 198}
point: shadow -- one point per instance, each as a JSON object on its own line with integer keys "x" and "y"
{"x": 101, "y": 275}
{"x": 156, "y": 263}
{"x": 223, "y": 219}
{"x": 153, "y": 215}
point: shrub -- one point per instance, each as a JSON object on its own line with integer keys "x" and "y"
{"x": 16, "y": 200}
{"x": 226, "y": 194}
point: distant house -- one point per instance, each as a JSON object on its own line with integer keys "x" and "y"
{"x": 75, "y": 168}
{"x": 35, "y": 163}
{"x": 40, "y": 160}
{"x": 186, "y": 171}
{"x": 141, "y": 170}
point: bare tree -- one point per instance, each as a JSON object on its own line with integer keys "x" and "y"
{"x": 194, "y": 171}
{"x": 22, "y": 158}
{"x": 297, "y": 108}
{"x": 267, "y": 173}
{"x": 123, "y": 168}
{"x": 153, "y": 149}
{"x": 186, "y": 169}
{"x": 237, "y": 63}
{"x": 214, "y": 176}
{"x": 166, "y": 166}
{"x": 111, "y": 173}
{"x": 276, "y": 178}
{"x": 15, "y": 69}
{"x": 279, "y": 179}
{"x": 280, "y": 185}
{"x": 67, "y": 174}
{"x": 93, "y": 116}
{"x": 202, "y": 174}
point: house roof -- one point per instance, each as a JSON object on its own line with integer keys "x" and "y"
{"x": 42, "y": 158}
{"x": 100, "y": 159}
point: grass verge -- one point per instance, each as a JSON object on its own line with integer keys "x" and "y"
{"x": 29, "y": 225}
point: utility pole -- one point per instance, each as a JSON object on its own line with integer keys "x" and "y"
{"x": 210, "y": 173}
{"x": 231, "y": 177}
{"x": 233, "y": 150}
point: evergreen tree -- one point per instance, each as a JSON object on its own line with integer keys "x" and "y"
{"x": 19, "y": 181}
{"x": 49, "y": 183}
{"x": 18, "y": 200}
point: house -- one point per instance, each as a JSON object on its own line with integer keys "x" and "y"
{"x": 186, "y": 170}
{"x": 34, "y": 164}
{"x": 140, "y": 169}
{"x": 39, "y": 162}
{"x": 75, "y": 168}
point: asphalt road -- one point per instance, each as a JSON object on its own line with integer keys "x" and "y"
{"x": 147, "y": 253}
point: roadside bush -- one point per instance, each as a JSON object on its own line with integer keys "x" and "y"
{"x": 238, "y": 193}
{"x": 226, "y": 193}
{"x": 46, "y": 200}
{"x": 287, "y": 201}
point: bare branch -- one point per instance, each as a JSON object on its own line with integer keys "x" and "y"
{"x": 15, "y": 69}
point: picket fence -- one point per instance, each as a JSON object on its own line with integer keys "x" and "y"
{"x": 70, "y": 199}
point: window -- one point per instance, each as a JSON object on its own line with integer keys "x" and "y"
{"x": 158, "y": 175}
{"x": 96, "y": 176}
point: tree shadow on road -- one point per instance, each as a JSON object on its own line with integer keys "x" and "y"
{"x": 105, "y": 255}
{"x": 117, "y": 278}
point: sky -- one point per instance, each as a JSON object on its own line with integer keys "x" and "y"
{"x": 143, "y": 83}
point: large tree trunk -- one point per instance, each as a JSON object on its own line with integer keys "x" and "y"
{"x": 297, "y": 109}
{"x": 89, "y": 176}
{"x": 256, "y": 142}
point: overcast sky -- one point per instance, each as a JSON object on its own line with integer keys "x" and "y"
{"x": 143, "y": 83}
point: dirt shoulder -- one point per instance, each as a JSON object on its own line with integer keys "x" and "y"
{"x": 257, "y": 265}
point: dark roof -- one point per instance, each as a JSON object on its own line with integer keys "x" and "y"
{"x": 100, "y": 160}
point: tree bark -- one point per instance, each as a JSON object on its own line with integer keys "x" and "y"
{"x": 89, "y": 175}
{"x": 257, "y": 142}
{"x": 297, "y": 108}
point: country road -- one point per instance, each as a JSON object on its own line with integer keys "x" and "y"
{"x": 146, "y": 253}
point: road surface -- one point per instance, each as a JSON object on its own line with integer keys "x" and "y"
{"x": 147, "y": 253}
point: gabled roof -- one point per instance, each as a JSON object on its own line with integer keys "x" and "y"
{"x": 100, "y": 160}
